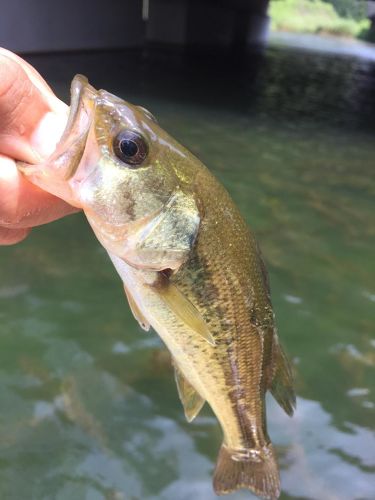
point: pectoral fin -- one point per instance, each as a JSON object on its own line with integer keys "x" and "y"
{"x": 281, "y": 386}
{"x": 190, "y": 399}
{"x": 184, "y": 309}
{"x": 136, "y": 311}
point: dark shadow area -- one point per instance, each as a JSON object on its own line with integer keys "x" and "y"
{"x": 282, "y": 83}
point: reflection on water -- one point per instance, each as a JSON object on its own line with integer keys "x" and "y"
{"x": 326, "y": 44}
{"x": 88, "y": 403}
{"x": 329, "y": 463}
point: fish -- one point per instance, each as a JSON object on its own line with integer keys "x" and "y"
{"x": 190, "y": 266}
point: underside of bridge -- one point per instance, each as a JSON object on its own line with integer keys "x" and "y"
{"x": 45, "y": 26}
{"x": 207, "y": 22}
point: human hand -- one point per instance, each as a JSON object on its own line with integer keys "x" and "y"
{"x": 32, "y": 120}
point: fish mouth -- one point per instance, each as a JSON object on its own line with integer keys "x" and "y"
{"x": 81, "y": 114}
{"x": 80, "y": 92}
{"x": 54, "y": 174}
{"x": 64, "y": 161}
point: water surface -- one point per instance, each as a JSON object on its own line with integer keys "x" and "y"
{"x": 89, "y": 409}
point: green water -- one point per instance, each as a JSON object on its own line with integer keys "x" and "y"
{"x": 89, "y": 409}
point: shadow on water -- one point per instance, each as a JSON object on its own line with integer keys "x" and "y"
{"x": 281, "y": 82}
{"x": 88, "y": 403}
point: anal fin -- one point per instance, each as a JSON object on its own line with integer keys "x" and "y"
{"x": 190, "y": 399}
{"x": 282, "y": 384}
{"x": 136, "y": 311}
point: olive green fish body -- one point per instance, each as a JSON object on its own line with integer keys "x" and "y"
{"x": 225, "y": 279}
{"x": 191, "y": 269}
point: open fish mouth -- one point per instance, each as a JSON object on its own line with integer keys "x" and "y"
{"x": 81, "y": 114}
{"x": 54, "y": 173}
{"x": 64, "y": 161}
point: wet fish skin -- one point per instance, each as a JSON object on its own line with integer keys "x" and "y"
{"x": 191, "y": 269}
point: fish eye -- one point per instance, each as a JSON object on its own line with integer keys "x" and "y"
{"x": 130, "y": 147}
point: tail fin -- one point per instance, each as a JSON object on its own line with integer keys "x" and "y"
{"x": 258, "y": 474}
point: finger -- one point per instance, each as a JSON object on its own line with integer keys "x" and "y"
{"x": 12, "y": 236}
{"x": 32, "y": 118}
{"x": 37, "y": 80}
{"x": 24, "y": 205}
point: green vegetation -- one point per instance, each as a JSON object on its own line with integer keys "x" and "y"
{"x": 352, "y": 9}
{"x": 317, "y": 16}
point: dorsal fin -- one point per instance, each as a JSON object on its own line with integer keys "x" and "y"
{"x": 281, "y": 385}
{"x": 136, "y": 311}
{"x": 280, "y": 375}
{"x": 190, "y": 399}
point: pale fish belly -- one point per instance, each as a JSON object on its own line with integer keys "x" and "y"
{"x": 195, "y": 357}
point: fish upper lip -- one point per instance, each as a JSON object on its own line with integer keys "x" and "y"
{"x": 78, "y": 125}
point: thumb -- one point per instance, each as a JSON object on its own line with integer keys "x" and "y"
{"x": 32, "y": 117}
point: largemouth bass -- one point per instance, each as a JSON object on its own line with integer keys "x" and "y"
{"x": 190, "y": 266}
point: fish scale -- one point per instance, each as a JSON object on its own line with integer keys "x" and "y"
{"x": 222, "y": 271}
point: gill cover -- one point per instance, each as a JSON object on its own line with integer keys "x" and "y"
{"x": 139, "y": 212}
